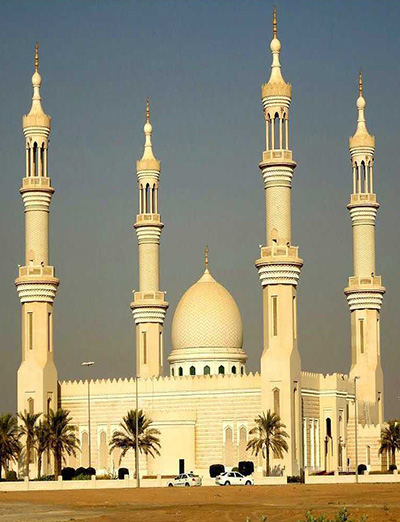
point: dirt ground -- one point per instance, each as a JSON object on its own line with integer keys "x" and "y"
{"x": 205, "y": 504}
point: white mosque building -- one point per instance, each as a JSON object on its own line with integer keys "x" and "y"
{"x": 205, "y": 403}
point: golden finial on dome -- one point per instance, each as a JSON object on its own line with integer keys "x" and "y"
{"x": 36, "y": 56}
{"x": 147, "y": 110}
{"x": 206, "y": 256}
{"x": 360, "y": 83}
{"x": 274, "y": 23}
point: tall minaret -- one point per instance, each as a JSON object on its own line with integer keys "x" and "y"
{"x": 36, "y": 283}
{"x": 149, "y": 306}
{"x": 279, "y": 266}
{"x": 365, "y": 290}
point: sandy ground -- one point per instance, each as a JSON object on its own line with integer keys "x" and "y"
{"x": 205, "y": 504}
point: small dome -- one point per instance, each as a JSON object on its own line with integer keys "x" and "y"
{"x": 207, "y": 317}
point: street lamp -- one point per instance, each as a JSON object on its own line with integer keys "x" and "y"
{"x": 89, "y": 363}
{"x": 356, "y": 423}
{"x": 137, "y": 433}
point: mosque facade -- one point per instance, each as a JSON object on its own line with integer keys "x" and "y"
{"x": 205, "y": 404}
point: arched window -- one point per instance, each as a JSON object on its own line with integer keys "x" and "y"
{"x": 173, "y": 372}
{"x": 364, "y": 177}
{"x": 242, "y": 370}
{"x": 277, "y": 132}
{"x": 180, "y": 371}
{"x": 234, "y": 370}
{"x": 85, "y": 450}
{"x": 34, "y": 159}
{"x": 103, "y": 450}
{"x": 242, "y": 443}
{"x": 31, "y": 406}
{"x": 329, "y": 427}
{"x": 192, "y": 370}
{"x": 229, "y": 454}
{"x": 206, "y": 370}
{"x": 153, "y": 199}
{"x": 276, "y": 401}
{"x": 147, "y": 209}
{"x": 221, "y": 370}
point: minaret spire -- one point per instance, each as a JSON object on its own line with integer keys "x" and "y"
{"x": 279, "y": 264}
{"x": 149, "y": 306}
{"x": 36, "y": 282}
{"x": 365, "y": 291}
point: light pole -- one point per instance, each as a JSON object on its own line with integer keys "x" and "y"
{"x": 356, "y": 423}
{"x": 137, "y": 433}
{"x": 90, "y": 363}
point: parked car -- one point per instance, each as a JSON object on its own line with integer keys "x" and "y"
{"x": 234, "y": 478}
{"x": 185, "y": 479}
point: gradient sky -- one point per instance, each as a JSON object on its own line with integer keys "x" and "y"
{"x": 202, "y": 64}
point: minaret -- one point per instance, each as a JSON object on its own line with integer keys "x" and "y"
{"x": 365, "y": 291}
{"x": 279, "y": 265}
{"x": 36, "y": 283}
{"x": 149, "y": 306}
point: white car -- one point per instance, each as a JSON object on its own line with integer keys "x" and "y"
{"x": 185, "y": 479}
{"x": 234, "y": 478}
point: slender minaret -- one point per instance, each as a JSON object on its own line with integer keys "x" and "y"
{"x": 365, "y": 290}
{"x": 279, "y": 265}
{"x": 36, "y": 283}
{"x": 149, "y": 306}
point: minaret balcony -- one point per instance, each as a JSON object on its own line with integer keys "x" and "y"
{"x": 146, "y": 218}
{"x": 362, "y": 281}
{"x": 363, "y": 198}
{"x": 145, "y": 297}
{"x": 36, "y": 183}
{"x": 278, "y": 157}
{"x": 280, "y": 251}
{"x": 33, "y": 270}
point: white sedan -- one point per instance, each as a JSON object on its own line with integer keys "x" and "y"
{"x": 185, "y": 479}
{"x": 234, "y": 478}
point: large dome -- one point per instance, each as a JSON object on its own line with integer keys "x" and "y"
{"x": 207, "y": 326}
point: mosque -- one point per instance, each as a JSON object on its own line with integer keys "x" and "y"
{"x": 205, "y": 404}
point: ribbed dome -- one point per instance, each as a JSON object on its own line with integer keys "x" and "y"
{"x": 207, "y": 317}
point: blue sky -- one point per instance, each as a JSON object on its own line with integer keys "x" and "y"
{"x": 202, "y": 64}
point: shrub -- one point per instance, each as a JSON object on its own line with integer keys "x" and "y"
{"x": 122, "y": 472}
{"x": 342, "y": 516}
{"x": 216, "y": 469}
{"x": 235, "y": 468}
{"x": 295, "y": 479}
{"x": 11, "y": 476}
{"x": 246, "y": 467}
{"x": 81, "y": 476}
{"x": 80, "y": 471}
{"x": 46, "y": 478}
{"x": 361, "y": 469}
{"x": 90, "y": 471}
{"x": 392, "y": 467}
{"x": 68, "y": 473}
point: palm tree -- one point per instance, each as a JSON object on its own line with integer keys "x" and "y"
{"x": 390, "y": 440}
{"x": 148, "y": 441}
{"x": 10, "y": 446}
{"x": 41, "y": 442}
{"x": 269, "y": 435}
{"x": 61, "y": 437}
{"x": 27, "y": 430}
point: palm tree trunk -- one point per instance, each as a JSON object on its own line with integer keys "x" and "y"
{"x": 267, "y": 463}
{"x": 136, "y": 470}
{"x": 394, "y": 456}
{"x": 27, "y": 456}
{"x": 39, "y": 465}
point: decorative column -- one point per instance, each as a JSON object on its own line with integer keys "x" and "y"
{"x": 149, "y": 306}
{"x": 36, "y": 283}
{"x": 279, "y": 266}
{"x": 365, "y": 291}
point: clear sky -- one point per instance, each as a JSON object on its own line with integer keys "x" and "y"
{"x": 202, "y": 64}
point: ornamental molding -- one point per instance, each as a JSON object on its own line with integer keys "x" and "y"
{"x": 151, "y": 174}
{"x": 37, "y": 292}
{"x": 149, "y": 234}
{"x": 149, "y": 314}
{"x": 36, "y": 200}
{"x": 279, "y": 274}
{"x": 277, "y": 176}
{"x": 276, "y": 93}
{"x": 363, "y": 215}
{"x": 361, "y": 300}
